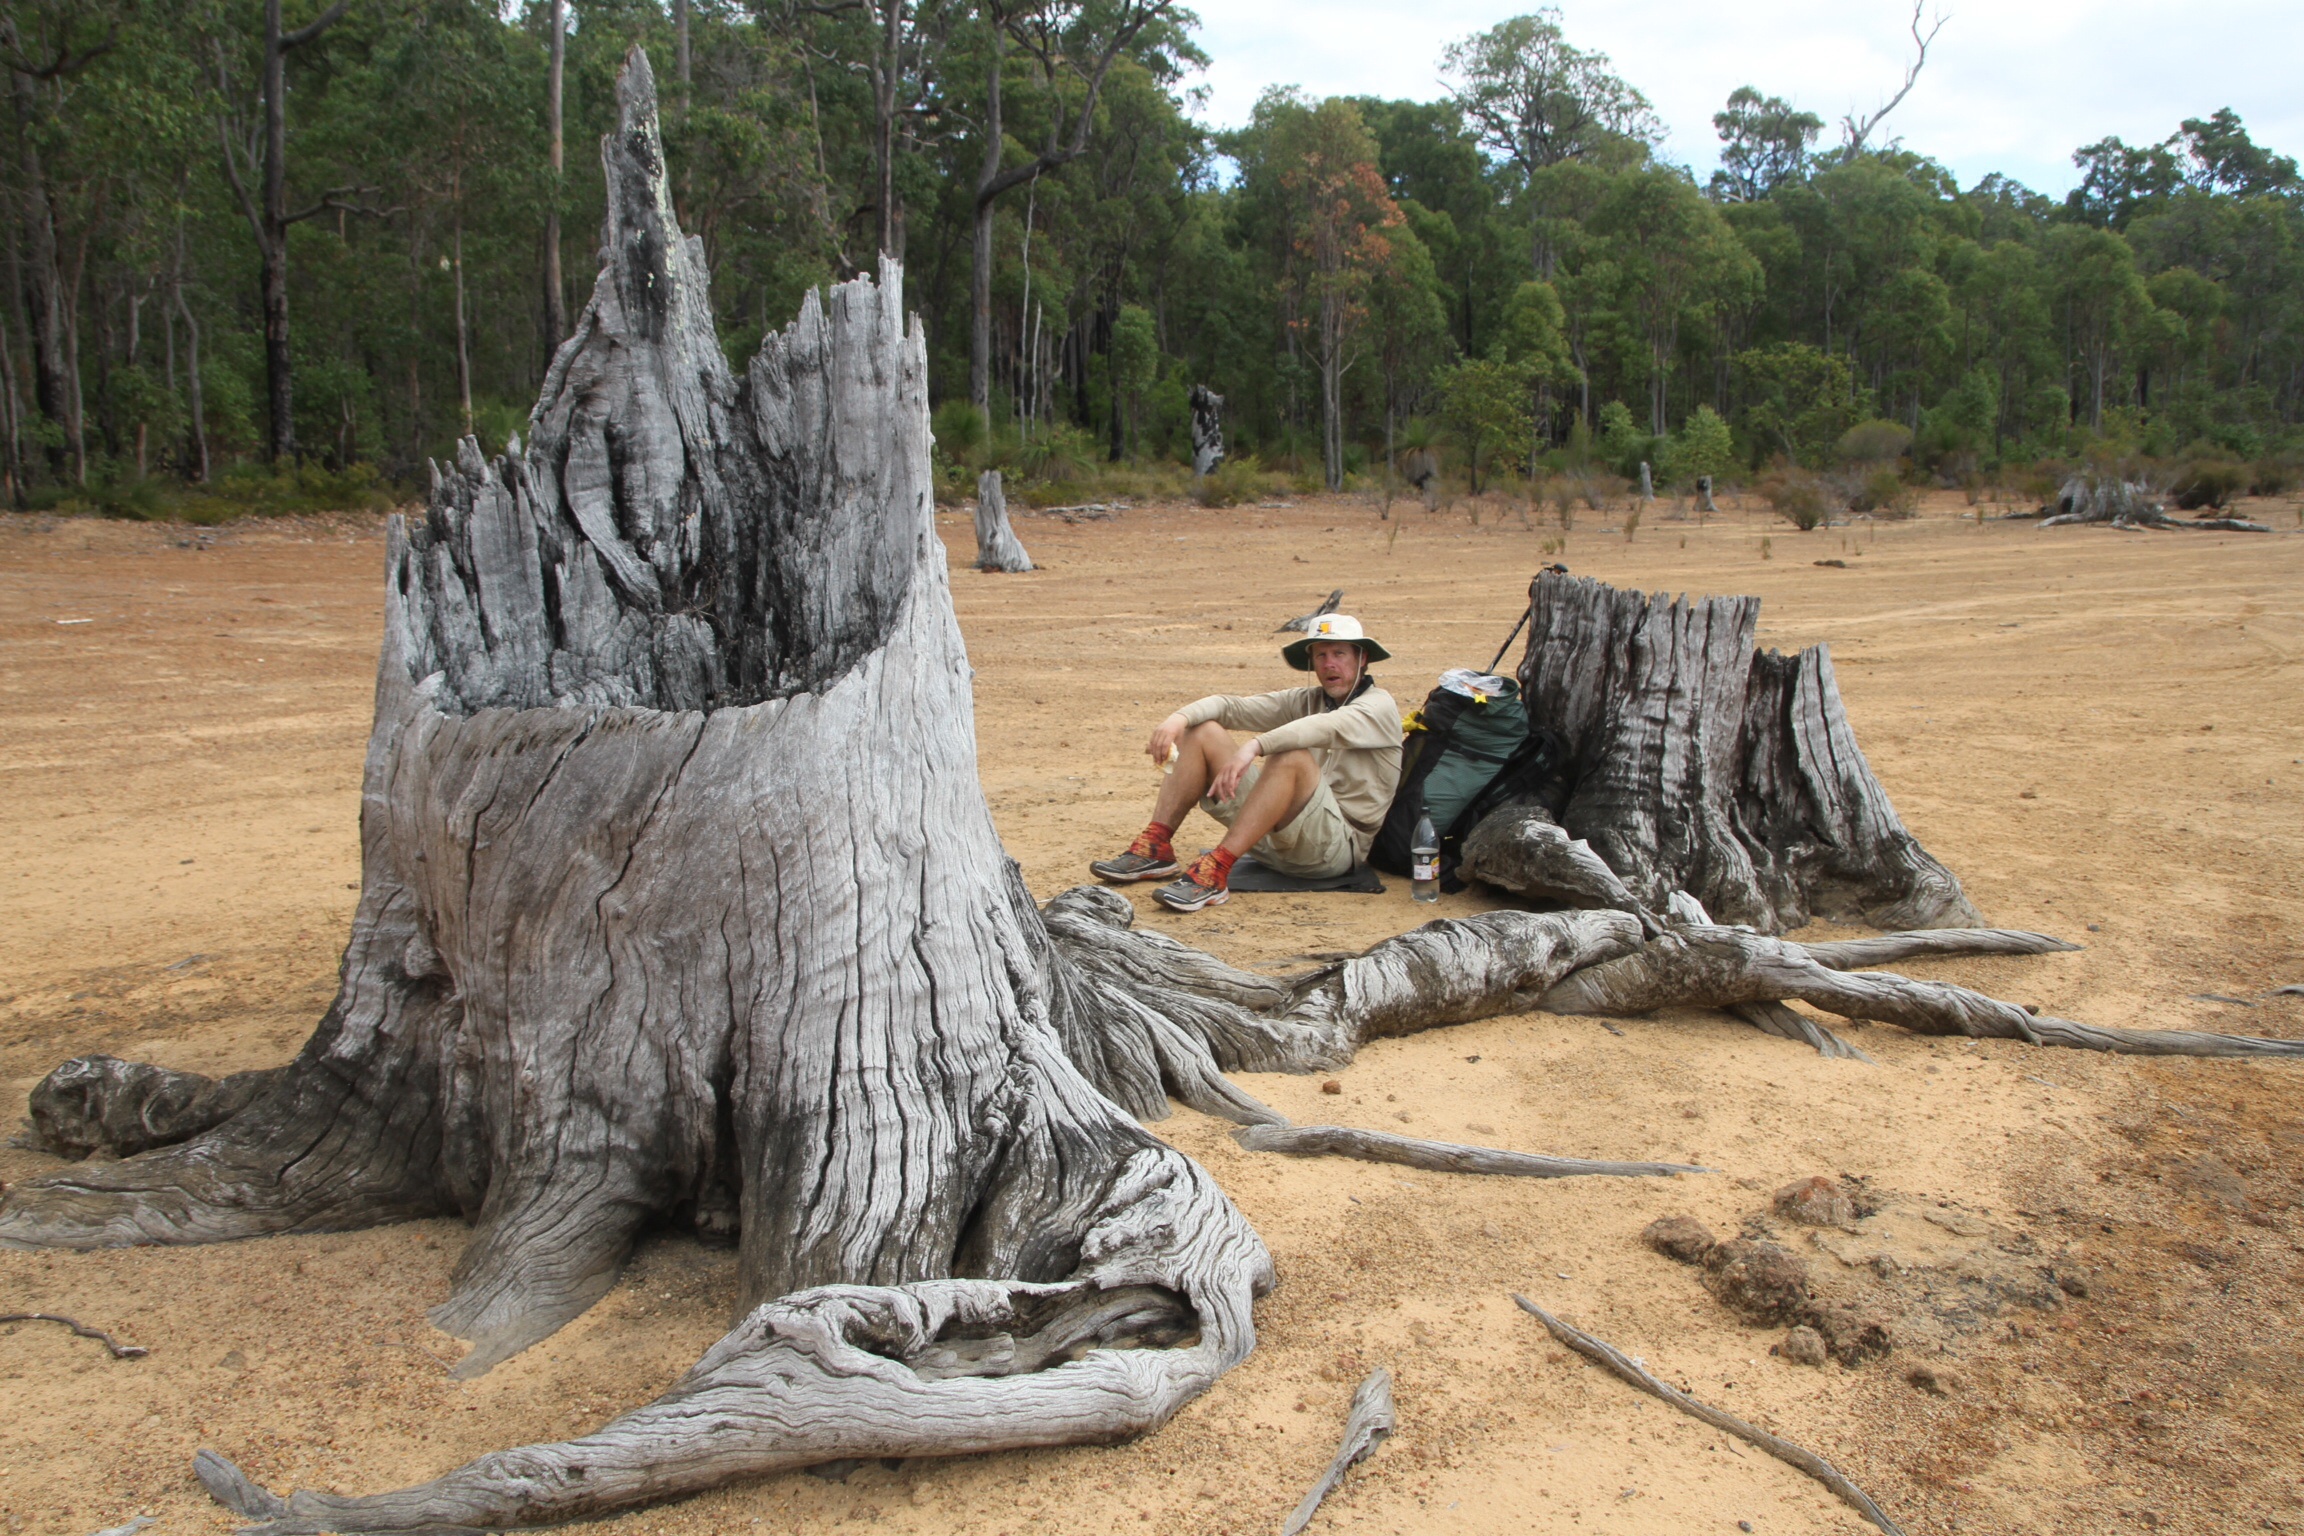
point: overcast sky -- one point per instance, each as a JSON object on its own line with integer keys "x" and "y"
{"x": 2011, "y": 85}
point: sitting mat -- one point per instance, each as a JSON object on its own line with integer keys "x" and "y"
{"x": 1248, "y": 875}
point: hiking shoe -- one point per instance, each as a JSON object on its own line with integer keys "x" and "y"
{"x": 1200, "y": 886}
{"x": 1138, "y": 863}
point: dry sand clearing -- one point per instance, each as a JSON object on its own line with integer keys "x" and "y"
{"x": 2099, "y": 731}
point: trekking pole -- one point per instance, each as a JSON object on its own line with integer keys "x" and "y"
{"x": 1508, "y": 639}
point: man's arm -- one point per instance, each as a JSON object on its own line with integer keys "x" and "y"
{"x": 1369, "y": 722}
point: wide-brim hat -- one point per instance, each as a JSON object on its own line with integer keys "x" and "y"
{"x": 1339, "y": 628}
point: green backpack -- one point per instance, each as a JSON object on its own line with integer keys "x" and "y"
{"x": 1456, "y": 744}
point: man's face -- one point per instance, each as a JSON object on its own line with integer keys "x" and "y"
{"x": 1338, "y": 665}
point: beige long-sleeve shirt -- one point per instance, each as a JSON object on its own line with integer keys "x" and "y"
{"x": 1357, "y": 745}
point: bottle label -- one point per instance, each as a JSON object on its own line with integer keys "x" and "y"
{"x": 1424, "y": 867}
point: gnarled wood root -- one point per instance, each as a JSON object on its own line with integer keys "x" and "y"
{"x": 1716, "y": 967}
{"x": 1158, "y": 1309}
{"x": 1437, "y": 1156}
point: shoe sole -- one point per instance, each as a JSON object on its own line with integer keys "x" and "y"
{"x": 1214, "y": 898}
{"x": 1113, "y": 877}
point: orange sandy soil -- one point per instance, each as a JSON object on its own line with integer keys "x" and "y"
{"x": 2099, "y": 731}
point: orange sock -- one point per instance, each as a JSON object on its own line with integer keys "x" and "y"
{"x": 1222, "y": 862}
{"x": 1154, "y": 842}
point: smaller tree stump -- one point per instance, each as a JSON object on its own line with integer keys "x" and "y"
{"x": 1207, "y": 430}
{"x": 997, "y": 548}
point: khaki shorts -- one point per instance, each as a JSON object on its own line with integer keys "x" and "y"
{"x": 1313, "y": 844}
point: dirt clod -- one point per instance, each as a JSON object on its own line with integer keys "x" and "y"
{"x": 1761, "y": 1282}
{"x": 1803, "y": 1346}
{"x": 1935, "y": 1380}
{"x": 1332, "y": 1086}
{"x": 1679, "y": 1237}
{"x": 1815, "y": 1201}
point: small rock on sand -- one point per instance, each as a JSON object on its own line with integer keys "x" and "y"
{"x": 1760, "y": 1281}
{"x": 1803, "y": 1346}
{"x": 1816, "y": 1201}
{"x": 1935, "y": 1380}
{"x": 1679, "y": 1237}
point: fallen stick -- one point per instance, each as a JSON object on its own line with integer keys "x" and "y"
{"x": 1602, "y": 1353}
{"x": 119, "y": 1350}
{"x": 1364, "y": 1429}
{"x": 1434, "y": 1156}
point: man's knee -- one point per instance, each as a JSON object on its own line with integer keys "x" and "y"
{"x": 1211, "y": 738}
{"x": 1296, "y": 764}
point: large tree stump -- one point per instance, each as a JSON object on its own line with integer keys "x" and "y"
{"x": 1702, "y": 765}
{"x": 997, "y": 548}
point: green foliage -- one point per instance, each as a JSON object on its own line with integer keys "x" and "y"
{"x": 1484, "y": 402}
{"x": 2209, "y": 481}
{"x": 1798, "y": 400}
{"x": 1705, "y": 446}
{"x": 1871, "y": 442}
{"x": 1511, "y": 265}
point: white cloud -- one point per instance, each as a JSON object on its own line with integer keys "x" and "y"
{"x": 2012, "y": 87}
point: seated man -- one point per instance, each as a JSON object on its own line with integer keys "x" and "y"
{"x": 1330, "y": 759}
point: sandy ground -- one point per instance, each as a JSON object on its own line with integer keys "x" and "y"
{"x": 2098, "y": 731}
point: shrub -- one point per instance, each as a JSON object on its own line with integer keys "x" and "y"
{"x": 961, "y": 432}
{"x": 2272, "y": 477}
{"x": 1882, "y": 492}
{"x": 1799, "y": 497}
{"x": 2203, "y": 483}
{"x": 1870, "y": 442}
{"x": 1236, "y": 481}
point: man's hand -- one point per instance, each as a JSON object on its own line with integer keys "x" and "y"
{"x": 1165, "y": 735}
{"x": 1226, "y": 784}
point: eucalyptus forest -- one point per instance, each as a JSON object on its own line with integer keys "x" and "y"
{"x": 261, "y": 253}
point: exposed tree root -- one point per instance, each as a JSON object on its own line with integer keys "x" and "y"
{"x": 1435, "y": 1156}
{"x": 1634, "y": 1373}
{"x": 1717, "y": 967}
{"x": 119, "y": 1351}
{"x": 1365, "y": 1428}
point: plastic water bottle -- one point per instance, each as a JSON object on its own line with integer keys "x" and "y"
{"x": 1424, "y": 859}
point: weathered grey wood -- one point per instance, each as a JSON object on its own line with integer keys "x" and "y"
{"x": 1773, "y": 1018}
{"x": 1880, "y": 949}
{"x": 1436, "y": 1156}
{"x": 1519, "y": 848}
{"x": 104, "y": 1104}
{"x": 997, "y": 548}
{"x": 1647, "y": 484}
{"x": 1207, "y": 430}
{"x": 1702, "y": 765}
{"x": 1723, "y": 967}
{"x": 1633, "y": 1373}
{"x": 1366, "y": 1424}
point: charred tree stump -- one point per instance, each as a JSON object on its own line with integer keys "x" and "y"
{"x": 1207, "y": 431}
{"x": 1702, "y": 765}
{"x": 997, "y": 548}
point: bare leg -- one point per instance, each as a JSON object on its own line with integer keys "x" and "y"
{"x": 1204, "y": 749}
{"x": 1280, "y": 791}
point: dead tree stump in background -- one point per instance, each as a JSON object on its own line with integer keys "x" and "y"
{"x": 997, "y": 548}
{"x": 1207, "y": 431}
{"x": 1702, "y": 765}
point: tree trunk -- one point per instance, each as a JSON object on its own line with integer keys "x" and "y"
{"x": 272, "y": 247}
{"x": 1702, "y": 765}
{"x": 997, "y": 548}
